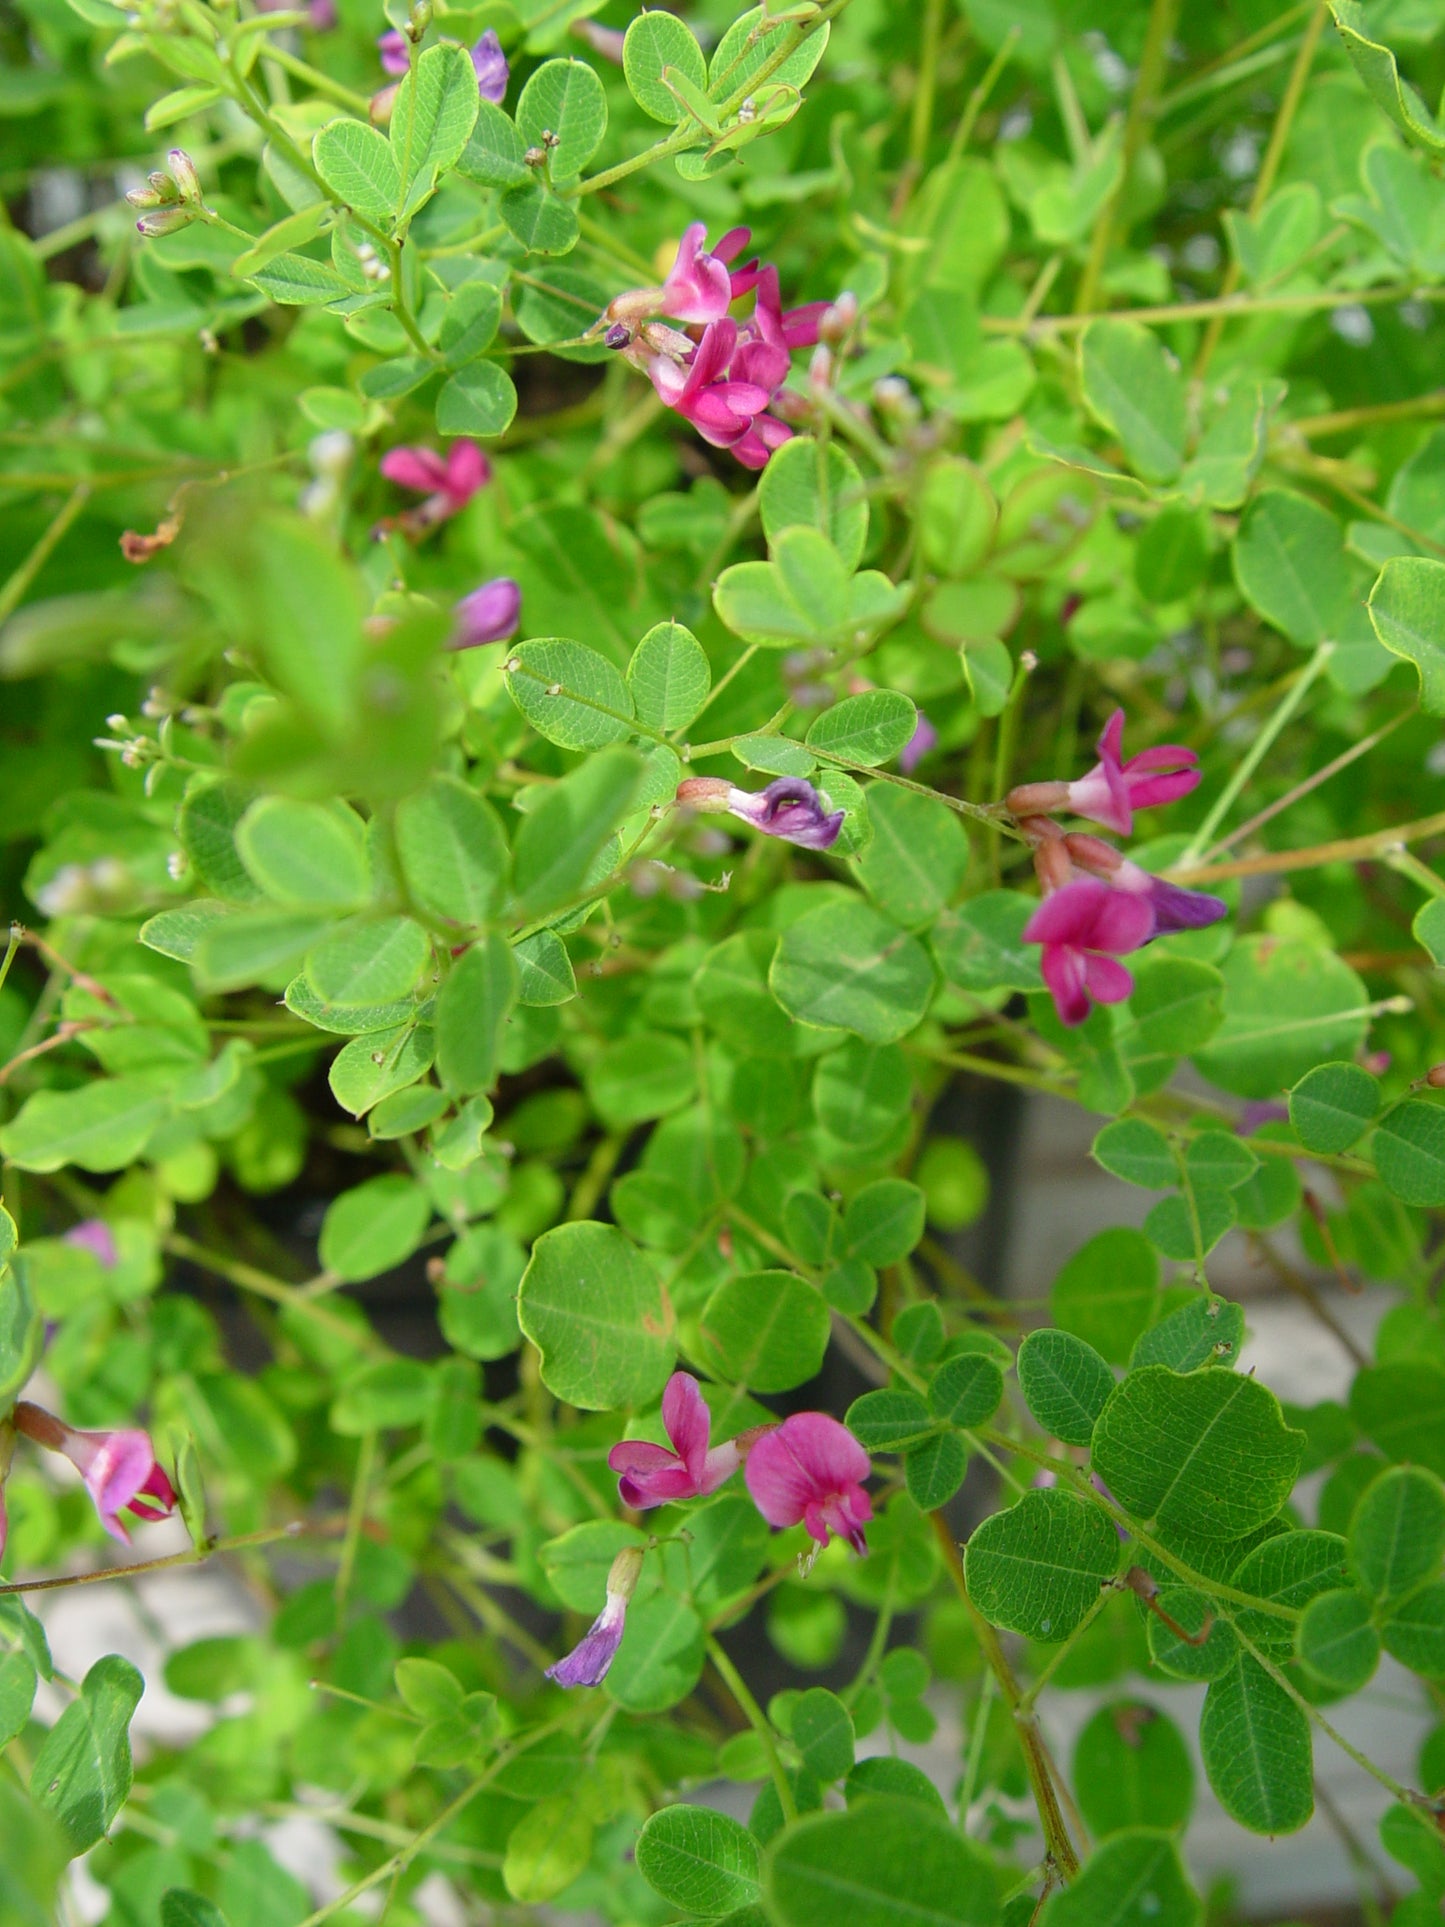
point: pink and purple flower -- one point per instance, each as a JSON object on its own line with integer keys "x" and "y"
{"x": 809, "y": 1471}
{"x": 589, "y": 1659}
{"x": 651, "y": 1475}
{"x": 448, "y": 482}
{"x": 489, "y": 614}
{"x": 788, "y": 808}
{"x": 120, "y": 1468}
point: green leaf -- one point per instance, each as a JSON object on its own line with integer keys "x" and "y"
{"x": 82, "y": 1770}
{"x": 393, "y": 1394}
{"x": 1401, "y": 1408}
{"x": 560, "y": 840}
{"x": 1207, "y": 1454}
{"x": 544, "y": 970}
{"x": 294, "y": 232}
{"x": 1108, "y": 1292}
{"x": 890, "y": 1420}
{"x": 1414, "y": 1632}
{"x": 662, "y": 1657}
{"x": 22, "y": 1330}
{"x": 1135, "y": 1879}
{"x": 1203, "y": 1331}
{"x": 861, "y": 1091}
{"x": 538, "y": 219}
{"x": 869, "y": 729}
{"x": 102, "y": 1126}
{"x": 470, "y": 323}
{"x": 360, "y": 167}
{"x": 810, "y": 484}
{"x": 431, "y": 122}
{"x": 980, "y": 946}
{"x": 1065, "y": 1382}
{"x": 887, "y": 1861}
{"x": 374, "y": 1227}
{"x": 207, "y": 825}
{"x": 471, "y": 1014}
{"x": 668, "y": 677}
{"x": 1256, "y": 1747}
{"x": 883, "y": 1222}
{"x": 1336, "y": 1642}
{"x": 1175, "y": 1009}
{"x": 655, "y": 42}
{"x": 1036, "y": 1568}
{"x": 1137, "y": 1152}
{"x": 311, "y": 854}
{"x": 1409, "y": 1152}
{"x": 918, "y": 857}
{"x": 18, "y": 1681}
{"x": 700, "y": 1862}
{"x": 558, "y": 303}
{"x": 639, "y": 1077}
{"x": 1397, "y": 1534}
{"x": 181, "y": 1907}
{"x": 1287, "y": 1005}
{"x": 1289, "y": 562}
{"x": 452, "y": 850}
{"x": 1331, "y": 1106}
{"x": 478, "y": 400}
{"x": 1290, "y": 1569}
{"x": 569, "y": 693}
{"x": 294, "y": 281}
{"x": 1132, "y": 1769}
{"x": 934, "y": 1470}
{"x": 595, "y": 1311}
{"x": 966, "y": 1390}
{"x": 547, "y": 1849}
{"x": 566, "y": 100}
{"x": 822, "y": 1731}
{"x": 842, "y": 964}
{"x": 369, "y": 963}
{"x": 1375, "y": 64}
{"x": 1133, "y": 386}
{"x": 767, "y": 1330}
{"x": 493, "y": 155}
{"x": 176, "y": 933}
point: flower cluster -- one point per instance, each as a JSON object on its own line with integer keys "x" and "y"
{"x": 721, "y": 375}
{"x": 1098, "y": 906}
{"x": 807, "y": 1471}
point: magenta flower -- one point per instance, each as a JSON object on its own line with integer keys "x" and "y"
{"x": 119, "y": 1468}
{"x": 720, "y": 409}
{"x": 921, "y": 743}
{"x": 447, "y": 481}
{"x": 1084, "y": 927}
{"x": 393, "y": 49}
{"x": 1114, "y": 789}
{"x": 589, "y": 1659}
{"x": 651, "y": 1475}
{"x": 489, "y": 614}
{"x": 95, "y": 1236}
{"x": 491, "y": 68}
{"x": 810, "y": 1471}
{"x": 1174, "y": 908}
{"x": 700, "y": 285}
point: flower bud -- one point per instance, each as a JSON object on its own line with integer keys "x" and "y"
{"x": 165, "y": 220}
{"x": 622, "y": 1579}
{"x": 187, "y": 180}
{"x": 704, "y": 792}
{"x": 143, "y": 197}
{"x": 1435, "y": 1077}
{"x": 162, "y": 184}
{"x": 839, "y": 320}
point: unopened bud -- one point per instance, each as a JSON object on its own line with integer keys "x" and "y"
{"x": 1036, "y": 799}
{"x": 165, "y": 220}
{"x": 164, "y": 186}
{"x": 1435, "y": 1077}
{"x": 535, "y": 156}
{"x": 893, "y": 397}
{"x": 187, "y": 180}
{"x": 622, "y": 1579}
{"x": 704, "y": 792}
{"x": 838, "y": 321}
{"x": 820, "y": 368}
{"x": 144, "y": 197}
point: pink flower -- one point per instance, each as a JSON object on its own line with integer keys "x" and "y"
{"x": 810, "y": 1471}
{"x": 700, "y": 389}
{"x": 1083, "y": 928}
{"x": 700, "y": 286}
{"x": 1114, "y": 789}
{"x": 921, "y": 743}
{"x": 119, "y": 1468}
{"x": 491, "y": 68}
{"x": 589, "y": 1659}
{"x": 447, "y": 481}
{"x": 651, "y": 1475}
{"x": 489, "y": 614}
{"x": 95, "y": 1236}
{"x": 392, "y": 47}
{"x": 1174, "y": 907}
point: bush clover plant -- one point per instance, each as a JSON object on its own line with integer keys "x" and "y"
{"x": 602, "y": 609}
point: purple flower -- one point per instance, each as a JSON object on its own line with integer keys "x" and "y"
{"x": 651, "y": 1475}
{"x": 1084, "y": 927}
{"x": 1114, "y": 789}
{"x": 921, "y": 743}
{"x": 589, "y": 1659}
{"x": 489, "y": 614}
{"x": 395, "y": 53}
{"x": 491, "y": 67}
{"x": 94, "y": 1235}
{"x": 788, "y": 808}
{"x": 119, "y": 1468}
{"x": 1174, "y": 907}
{"x": 810, "y": 1471}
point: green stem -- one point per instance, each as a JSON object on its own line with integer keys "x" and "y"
{"x": 921, "y": 124}
{"x": 976, "y": 1739}
{"x": 757, "y": 1720}
{"x": 192, "y": 1556}
{"x": 1065, "y": 1647}
{"x": 22, "y": 577}
{"x": 1143, "y": 107}
{"x": 1224, "y": 305}
{"x": 355, "y": 1520}
{"x": 323, "y": 83}
{"x": 1255, "y": 754}
{"x": 977, "y": 100}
